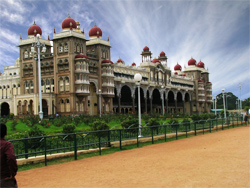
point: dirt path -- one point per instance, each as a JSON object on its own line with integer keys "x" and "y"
{"x": 220, "y": 159}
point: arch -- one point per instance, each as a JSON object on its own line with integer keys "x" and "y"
{"x": 45, "y": 107}
{"x": 126, "y": 96}
{"x": 156, "y": 100}
{"x": 5, "y": 109}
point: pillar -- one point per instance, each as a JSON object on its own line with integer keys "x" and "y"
{"x": 191, "y": 107}
{"x": 146, "y": 105}
{"x": 133, "y": 103}
{"x": 183, "y": 106}
{"x": 151, "y": 104}
{"x": 119, "y": 104}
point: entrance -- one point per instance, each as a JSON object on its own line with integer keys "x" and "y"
{"x": 5, "y": 109}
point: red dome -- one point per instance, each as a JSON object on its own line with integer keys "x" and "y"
{"x": 107, "y": 61}
{"x": 191, "y": 62}
{"x": 175, "y": 73}
{"x": 162, "y": 54}
{"x": 81, "y": 56}
{"x": 95, "y": 32}
{"x": 145, "y": 49}
{"x": 68, "y": 23}
{"x": 184, "y": 75}
{"x": 200, "y": 65}
{"x": 155, "y": 61}
{"x": 133, "y": 64}
{"x": 177, "y": 67}
{"x": 34, "y": 30}
{"x": 119, "y": 60}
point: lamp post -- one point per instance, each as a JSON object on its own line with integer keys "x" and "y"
{"x": 138, "y": 79}
{"x": 215, "y": 101}
{"x": 162, "y": 101}
{"x": 100, "y": 107}
{"x": 225, "y": 114}
{"x": 38, "y": 45}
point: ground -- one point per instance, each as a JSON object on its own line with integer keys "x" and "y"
{"x": 220, "y": 159}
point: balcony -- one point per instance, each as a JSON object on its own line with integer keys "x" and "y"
{"x": 81, "y": 71}
{"x": 200, "y": 88}
{"x": 82, "y": 82}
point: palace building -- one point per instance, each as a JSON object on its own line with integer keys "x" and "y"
{"x": 78, "y": 77}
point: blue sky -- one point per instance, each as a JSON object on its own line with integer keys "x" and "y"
{"x": 215, "y": 32}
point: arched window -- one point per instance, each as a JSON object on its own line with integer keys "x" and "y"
{"x": 60, "y": 48}
{"x": 66, "y": 48}
{"x": 26, "y": 55}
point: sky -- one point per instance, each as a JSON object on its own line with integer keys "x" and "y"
{"x": 215, "y": 32}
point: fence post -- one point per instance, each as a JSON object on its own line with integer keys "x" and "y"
{"x": 75, "y": 146}
{"x": 233, "y": 120}
{"x": 237, "y": 122}
{"x": 222, "y": 122}
{"x": 109, "y": 138}
{"x": 216, "y": 122}
{"x": 165, "y": 131}
{"x": 176, "y": 126}
{"x": 210, "y": 126}
{"x": 26, "y": 147}
{"x": 137, "y": 137}
{"x": 120, "y": 132}
{"x": 45, "y": 150}
{"x": 152, "y": 134}
{"x": 195, "y": 128}
{"x": 100, "y": 149}
{"x": 186, "y": 128}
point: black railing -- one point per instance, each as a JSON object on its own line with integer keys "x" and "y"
{"x": 74, "y": 142}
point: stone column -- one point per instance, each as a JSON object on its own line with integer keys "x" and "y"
{"x": 191, "y": 107}
{"x": 151, "y": 105}
{"x": 166, "y": 106}
{"x": 133, "y": 103}
{"x": 146, "y": 105}
{"x": 119, "y": 104}
{"x": 183, "y": 106}
{"x": 175, "y": 103}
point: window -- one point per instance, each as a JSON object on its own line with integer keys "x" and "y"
{"x": 60, "y": 48}
{"x": 66, "y": 47}
{"x": 26, "y": 55}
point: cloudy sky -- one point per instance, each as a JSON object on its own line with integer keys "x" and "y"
{"x": 215, "y": 32}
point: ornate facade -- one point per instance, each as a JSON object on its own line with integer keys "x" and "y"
{"x": 78, "y": 77}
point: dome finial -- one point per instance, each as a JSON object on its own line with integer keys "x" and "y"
{"x": 21, "y": 36}
{"x": 108, "y": 38}
{"x": 68, "y": 15}
{"x": 34, "y": 22}
{"x": 95, "y": 24}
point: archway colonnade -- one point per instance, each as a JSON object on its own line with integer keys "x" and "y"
{"x": 153, "y": 100}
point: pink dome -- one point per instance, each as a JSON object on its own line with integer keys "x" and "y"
{"x": 200, "y": 65}
{"x": 107, "y": 61}
{"x": 162, "y": 54}
{"x": 95, "y": 32}
{"x": 191, "y": 62}
{"x": 34, "y": 30}
{"x": 155, "y": 61}
{"x": 145, "y": 49}
{"x": 177, "y": 67}
{"x": 69, "y": 23}
{"x": 78, "y": 56}
{"x": 133, "y": 64}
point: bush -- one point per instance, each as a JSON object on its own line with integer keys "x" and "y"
{"x": 3, "y": 120}
{"x": 99, "y": 125}
{"x": 129, "y": 123}
{"x": 173, "y": 123}
{"x": 13, "y": 125}
{"x": 35, "y": 131}
{"x": 31, "y": 120}
{"x": 152, "y": 122}
{"x": 68, "y": 128}
{"x": 11, "y": 116}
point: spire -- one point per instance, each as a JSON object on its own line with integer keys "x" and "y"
{"x": 48, "y": 37}
{"x": 21, "y": 37}
{"x": 108, "y": 38}
{"x": 54, "y": 30}
{"x": 83, "y": 30}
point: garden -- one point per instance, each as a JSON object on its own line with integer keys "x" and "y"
{"x": 31, "y": 126}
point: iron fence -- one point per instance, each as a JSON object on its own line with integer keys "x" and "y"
{"x": 74, "y": 142}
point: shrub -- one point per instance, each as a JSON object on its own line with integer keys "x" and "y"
{"x": 129, "y": 123}
{"x": 11, "y": 116}
{"x": 68, "y": 128}
{"x": 173, "y": 123}
{"x": 35, "y": 131}
{"x": 152, "y": 122}
{"x": 3, "y": 120}
{"x": 13, "y": 125}
{"x": 99, "y": 125}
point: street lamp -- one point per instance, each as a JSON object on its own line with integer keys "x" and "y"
{"x": 162, "y": 101}
{"x": 225, "y": 114}
{"x": 215, "y": 100}
{"x": 138, "y": 79}
{"x": 38, "y": 45}
{"x": 100, "y": 107}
